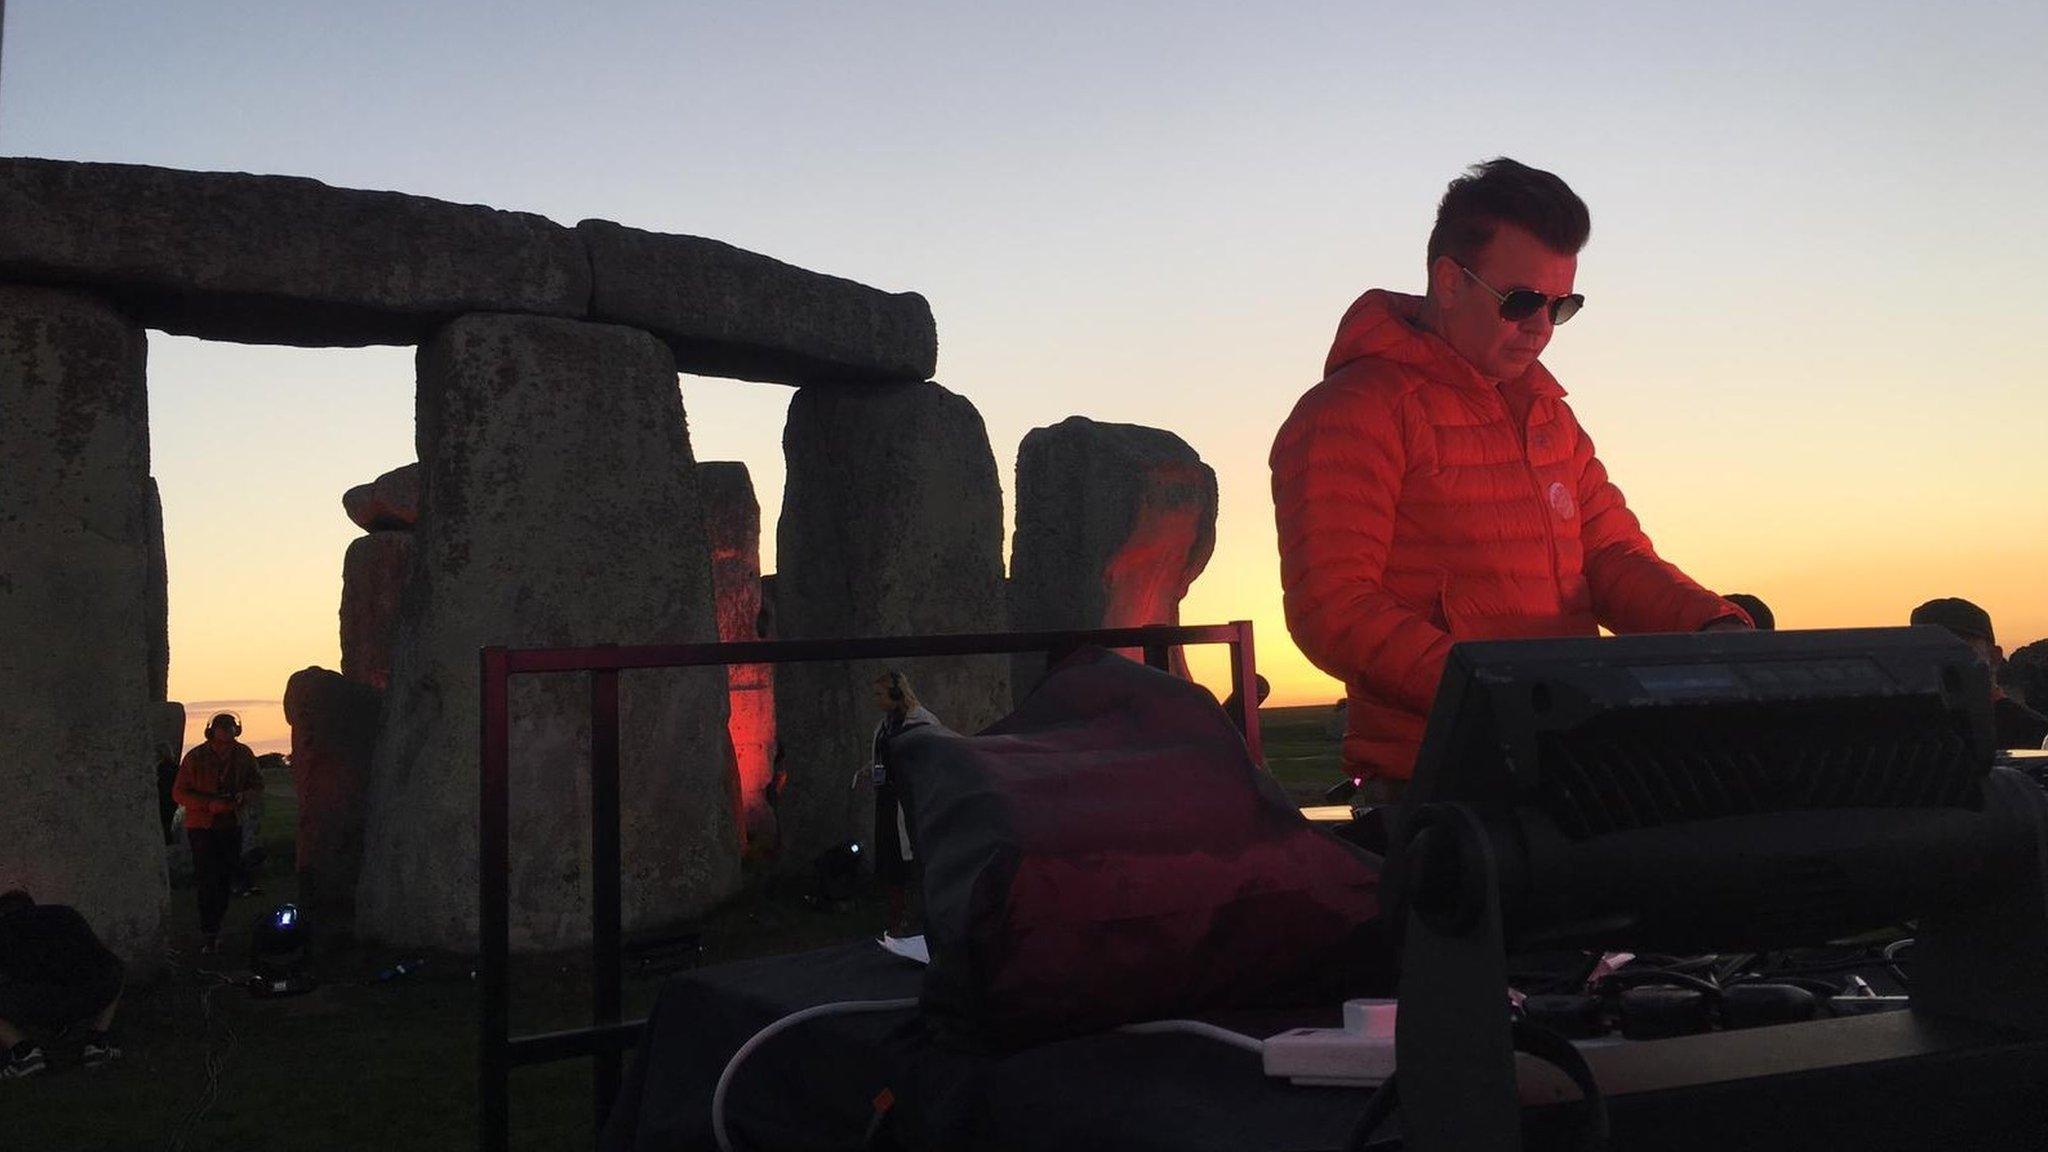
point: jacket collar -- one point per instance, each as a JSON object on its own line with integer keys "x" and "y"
{"x": 1382, "y": 325}
{"x": 917, "y": 717}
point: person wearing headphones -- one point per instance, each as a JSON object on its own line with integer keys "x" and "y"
{"x": 215, "y": 783}
{"x": 894, "y": 862}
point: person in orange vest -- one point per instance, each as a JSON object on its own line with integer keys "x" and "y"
{"x": 1436, "y": 487}
{"x": 217, "y": 780}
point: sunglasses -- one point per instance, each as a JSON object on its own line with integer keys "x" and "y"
{"x": 1522, "y": 303}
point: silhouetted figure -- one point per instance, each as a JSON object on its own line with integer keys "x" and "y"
{"x": 1265, "y": 689}
{"x": 1759, "y": 612}
{"x": 2025, "y": 676}
{"x": 778, "y": 779}
{"x": 216, "y": 781}
{"x": 250, "y": 858}
{"x": 53, "y": 973}
{"x": 166, "y": 781}
{"x": 895, "y": 864}
{"x": 2014, "y": 725}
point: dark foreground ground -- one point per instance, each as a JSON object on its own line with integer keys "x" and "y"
{"x": 390, "y": 1065}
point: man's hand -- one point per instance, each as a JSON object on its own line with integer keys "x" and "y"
{"x": 1728, "y": 624}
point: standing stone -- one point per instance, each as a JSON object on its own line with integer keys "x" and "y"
{"x": 334, "y": 724}
{"x": 373, "y": 572}
{"x": 1114, "y": 522}
{"x": 732, "y": 521}
{"x": 892, "y": 525}
{"x": 559, "y": 506}
{"x": 391, "y": 502}
{"x": 167, "y": 729}
{"x": 79, "y": 825}
{"x": 157, "y": 586}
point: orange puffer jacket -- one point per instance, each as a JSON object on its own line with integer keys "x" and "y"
{"x": 1419, "y": 504}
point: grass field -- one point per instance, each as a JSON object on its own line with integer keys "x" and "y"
{"x": 391, "y": 1065}
{"x": 1301, "y": 750}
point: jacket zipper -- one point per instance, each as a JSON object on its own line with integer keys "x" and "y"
{"x": 1547, "y": 509}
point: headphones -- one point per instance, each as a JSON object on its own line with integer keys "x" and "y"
{"x": 230, "y": 717}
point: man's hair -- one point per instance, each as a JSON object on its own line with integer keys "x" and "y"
{"x": 1503, "y": 191}
{"x": 14, "y": 900}
{"x": 1958, "y": 616}
{"x": 1760, "y": 613}
{"x": 897, "y": 685}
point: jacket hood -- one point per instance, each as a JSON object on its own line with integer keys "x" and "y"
{"x": 1381, "y": 325}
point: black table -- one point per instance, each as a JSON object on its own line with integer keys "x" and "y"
{"x": 1896, "y": 1081}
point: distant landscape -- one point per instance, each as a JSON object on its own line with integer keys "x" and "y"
{"x": 263, "y": 726}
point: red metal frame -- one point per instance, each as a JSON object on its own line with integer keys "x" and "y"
{"x": 609, "y": 1036}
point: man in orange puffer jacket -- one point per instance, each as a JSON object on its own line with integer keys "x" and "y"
{"x": 1435, "y": 487}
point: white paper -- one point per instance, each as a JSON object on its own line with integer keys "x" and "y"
{"x": 908, "y": 947}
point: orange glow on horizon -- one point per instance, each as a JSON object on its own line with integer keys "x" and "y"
{"x": 1804, "y": 591}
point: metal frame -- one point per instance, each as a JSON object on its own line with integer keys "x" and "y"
{"x": 608, "y": 1036}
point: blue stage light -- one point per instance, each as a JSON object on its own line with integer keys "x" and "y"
{"x": 278, "y": 953}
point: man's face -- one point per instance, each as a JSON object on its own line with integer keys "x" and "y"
{"x": 1468, "y": 316}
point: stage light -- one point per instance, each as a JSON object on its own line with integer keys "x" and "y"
{"x": 1722, "y": 792}
{"x": 277, "y": 953}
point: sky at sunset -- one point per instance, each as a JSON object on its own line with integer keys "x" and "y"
{"x": 1812, "y": 355}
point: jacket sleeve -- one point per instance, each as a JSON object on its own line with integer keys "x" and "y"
{"x": 1633, "y": 589}
{"x": 1338, "y": 466}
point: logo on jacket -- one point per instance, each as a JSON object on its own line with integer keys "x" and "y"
{"x": 1561, "y": 500}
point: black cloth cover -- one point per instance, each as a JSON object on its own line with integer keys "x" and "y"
{"x": 1110, "y": 853}
{"x": 812, "y": 1088}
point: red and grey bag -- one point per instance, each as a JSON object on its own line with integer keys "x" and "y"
{"x": 1110, "y": 853}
